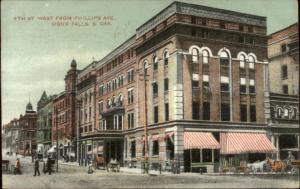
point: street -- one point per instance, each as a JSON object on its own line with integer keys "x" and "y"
{"x": 77, "y": 177}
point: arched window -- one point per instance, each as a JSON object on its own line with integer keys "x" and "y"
{"x": 155, "y": 63}
{"x": 242, "y": 61}
{"x": 114, "y": 101}
{"x": 279, "y": 112}
{"x": 286, "y": 112}
{"x": 166, "y": 58}
{"x": 224, "y": 58}
{"x": 293, "y": 113}
{"x": 145, "y": 67}
{"x": 195, "y": 55}
{"x": 205, "y": 57}
{"x": 251, "y": 62}
{"x": 120, "y": 100}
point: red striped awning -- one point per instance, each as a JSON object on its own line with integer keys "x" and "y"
{"x": 200, "y": 140}
{"x": 243, "y": 143}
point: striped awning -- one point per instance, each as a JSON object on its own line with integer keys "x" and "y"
{"x": 200, "y": 140}
{"x": 243, "y": 143}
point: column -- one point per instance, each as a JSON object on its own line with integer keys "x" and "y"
{"x": 298, "y": 138}
{"x": 178, "y": 145}
{"x": 277, "y": 147}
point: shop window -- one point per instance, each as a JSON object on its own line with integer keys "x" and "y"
{"x": 166, "y": 84}
{"x": 206, "y": 155}
{"x": 284, "y": 72}
{"x": 243, "y": 115}
{"x": 253, "y": 113}
{"x": 195, "y": 155}
{"x": 167, "y": 111}
{"x": 196, "y": 110}
{"x": 155, "y": 114}
{"x": 155, "y": 148}
{"x": 132, "y": 149}
{"x": 225, "y": 112}
{"x": 206, "y": 111}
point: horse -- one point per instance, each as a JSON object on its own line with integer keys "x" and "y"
{"x": 277, "y": 165}
{"x": 257, "y": 166}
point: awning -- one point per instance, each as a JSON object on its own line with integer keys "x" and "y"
{"x": 243, "y": 143}
{"x": 200, "y": 140}
{"x": 52, "y": 149}
{"x": 96, "y": 151}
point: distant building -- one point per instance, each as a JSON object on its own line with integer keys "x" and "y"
{"x": 27, "y": 132}
{"x": 44, "y": 123}
{"x": 63, "y": 117}
{"x": 283, "y": 109}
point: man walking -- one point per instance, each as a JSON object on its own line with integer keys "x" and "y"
{"x": 36, "y": 167}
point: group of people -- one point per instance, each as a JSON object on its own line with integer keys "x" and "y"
{"x": 47, "y": 167}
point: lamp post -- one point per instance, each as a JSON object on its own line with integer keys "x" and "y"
{"x": 56, "y": 124}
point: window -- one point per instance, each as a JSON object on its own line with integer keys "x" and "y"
{"x": 166, "y": 84}
{"x": 155, "y": 63}
{"x": 155, "y": 114}
{"x": 242, "y": 61}
{"x": 285, "y": 89}
{"x": 206, "y": 111}
{"x": 204, "y": 34}
{"x": 120, "y": 100}
{"x": 205, "y": 57}
{"x": 205, "y": 83}
{"x": 251, "y": 62}
{"x": 241, "y": 27}
{"x": 204, "y": 22}
{"x": 250, "y": 29}
{"x": 242, "y": 85}
{"x": 130, "y": 76}
{"x": 195, "y": 55}
{"x": 286, "y": 113}
{"x": 121, "y": 78}
{"x": 222, "y": 25}
{"x": 279, "y": 112}
{"x": 224, "y": 84}
{"x": 107, "y": 87}
{"x": 243, "y": 114}
{"x": 196, "y": 110}
{"x": 224, "y": 59}
{"x": 195, "y": 82}
{"x": 109, "y": 104}
{"x": 166, "y": 58}
{"x": 155, "y": 88}
{"x": 114, "y": 101}
{"x": 155, "y": 148}
{"x": 284, "y": 72}
{"x": 253, "y": 113}
{"x": 225, "y": 112}
{"x": 206, "y": 155}
{"x": 252, "y": 86}
{"x": 167, "y": 111}
{"x": 130, "y": 96}
{"x": 101, "y": 90}
{"x": 132, "y": 149}
{"x": 145, "y": 67}
{"x": 284, "y": 48}
{"x": 130, "y": 120}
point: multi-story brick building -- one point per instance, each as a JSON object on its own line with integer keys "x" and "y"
{"x": 44, "y": 123}
{"x": 63, "y": 117}
{"x": 11, "y": 134}
{"x": 193, "y": 79}
{"x": 283, "y": 110}
{"x": 27, "y": 132}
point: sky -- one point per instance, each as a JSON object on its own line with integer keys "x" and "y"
{"x": 36, "y": 54}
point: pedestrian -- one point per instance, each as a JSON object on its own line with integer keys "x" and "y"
{"x": 36, "y": 167}
{"x": 48, "y": 166}
{"x": 18, "y": 167}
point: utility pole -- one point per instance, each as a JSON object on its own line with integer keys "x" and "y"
{"x": 56, "y": 123}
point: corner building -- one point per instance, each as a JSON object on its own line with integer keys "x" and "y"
{"x": 195, "y": 76}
